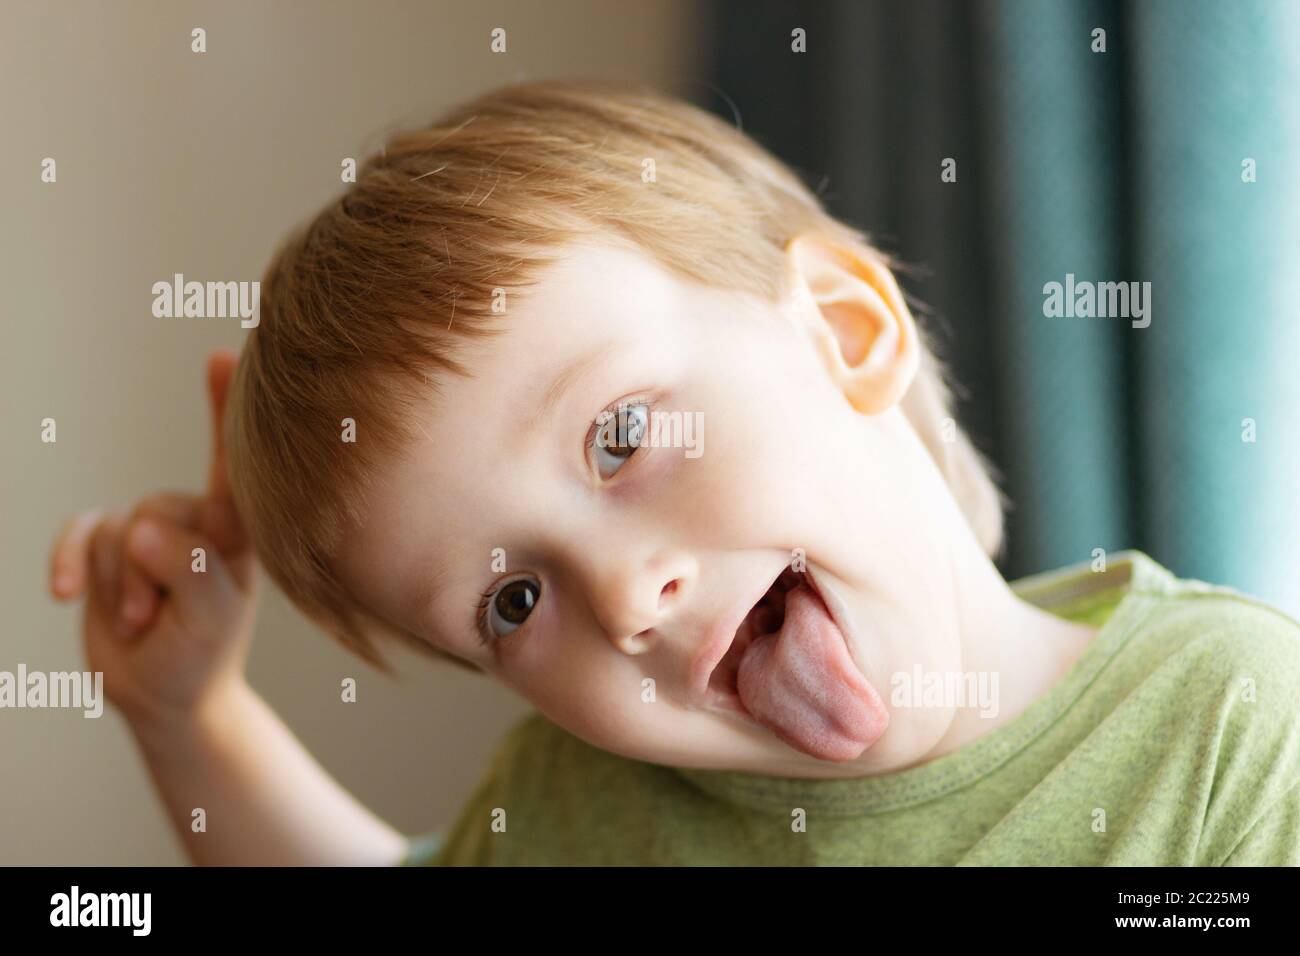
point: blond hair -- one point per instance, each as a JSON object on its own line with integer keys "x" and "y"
{"x": 368, "y": 305}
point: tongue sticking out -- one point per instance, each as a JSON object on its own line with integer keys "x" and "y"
{"x": 802, "y": 685}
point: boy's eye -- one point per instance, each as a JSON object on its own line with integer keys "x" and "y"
{"x": 618, "y": 435}
{"x": 511, "y": 604}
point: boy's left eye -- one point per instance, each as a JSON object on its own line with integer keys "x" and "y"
{"x": 618, "y": 434}
{"x": 507, "y": 608}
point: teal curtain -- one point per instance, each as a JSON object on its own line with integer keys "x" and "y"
{"x": 1214, "y": 89}
{"x": 1122, "y": 165}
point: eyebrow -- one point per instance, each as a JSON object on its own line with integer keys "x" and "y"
{"x": 428, "y": 589}
{"x": 562, "y": 382}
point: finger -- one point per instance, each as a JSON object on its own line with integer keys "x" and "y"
{"x": 169, "y": 553}
{"x": 139, "y": 601}
{"x": 140, "y": 598}
{"x": 70, "y": 556}
{"x": 106, "y": 554}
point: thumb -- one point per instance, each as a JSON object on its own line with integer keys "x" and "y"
{"x": 187, "y": 564}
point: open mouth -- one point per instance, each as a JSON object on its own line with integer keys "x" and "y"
{"x": 789, "y": 669}
{"x": 765, "y": 617}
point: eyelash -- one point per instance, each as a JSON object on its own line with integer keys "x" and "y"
{"x": 612, "y": 409}
{"x": 480, "y": 615}
{"x": 485, "y": 637}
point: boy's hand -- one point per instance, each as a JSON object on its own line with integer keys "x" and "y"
{"x": 172, "y": 643}
{"x": 168, "y": 638}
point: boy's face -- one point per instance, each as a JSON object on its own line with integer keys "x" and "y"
{"x": 619, "y": 574}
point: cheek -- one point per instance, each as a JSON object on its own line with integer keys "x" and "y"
{"x": 779, "y": 456}
{"x": 582, "y": 684}
{"x": 612, "y": 714}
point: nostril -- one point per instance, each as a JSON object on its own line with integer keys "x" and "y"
{"x": 669, "y": 589}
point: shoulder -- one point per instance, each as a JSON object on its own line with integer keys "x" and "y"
{"x": 543, "y": 769}
{"x": 1220, "y": 662}
{"x": 1228, "y": 641}
{"x": 468, "y": 842}
{"x": 1224, "y": 686}
{"x": 536, "y": 750}
{"x": 528, "y": 752}
{"x": 546, "y": 791}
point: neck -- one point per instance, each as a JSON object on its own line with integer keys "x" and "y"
{"x": 1015, "y": 650}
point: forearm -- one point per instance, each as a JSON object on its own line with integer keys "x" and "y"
{"x": 266, "y": 801}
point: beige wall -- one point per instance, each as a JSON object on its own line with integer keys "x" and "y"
{"x": 170, "y": 161}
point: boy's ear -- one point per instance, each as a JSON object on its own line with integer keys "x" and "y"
{"x": 855, "y": 314}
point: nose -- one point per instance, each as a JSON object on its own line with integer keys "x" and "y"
{"x": 632, "y": 598}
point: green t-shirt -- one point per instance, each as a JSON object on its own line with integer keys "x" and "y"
{"x": 1173, "y": 740}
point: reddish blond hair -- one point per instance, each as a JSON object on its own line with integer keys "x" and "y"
{"x": 366, "y": 308}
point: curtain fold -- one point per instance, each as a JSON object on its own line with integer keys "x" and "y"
{"x": 1055, "y": 141}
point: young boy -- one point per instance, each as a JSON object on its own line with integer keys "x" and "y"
{"x": 582, "y": 389}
